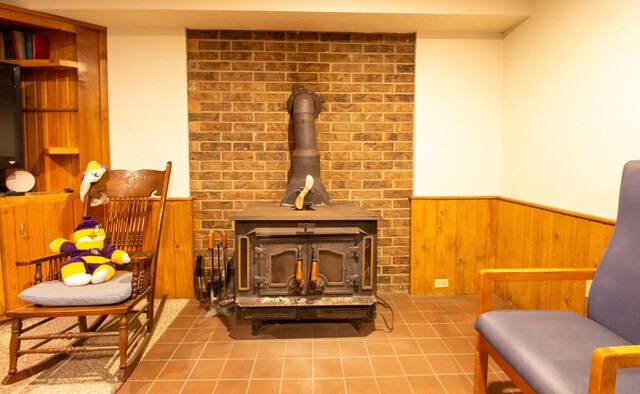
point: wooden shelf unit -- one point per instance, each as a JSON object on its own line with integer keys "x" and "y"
{"x": 64, "y": 98}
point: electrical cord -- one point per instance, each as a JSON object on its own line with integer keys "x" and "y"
{"x": 380, "y": 301}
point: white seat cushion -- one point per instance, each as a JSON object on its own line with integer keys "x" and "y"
{"x": 56, "y": 293}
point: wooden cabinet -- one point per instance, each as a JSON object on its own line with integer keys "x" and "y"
{"x": 64, "y": 98}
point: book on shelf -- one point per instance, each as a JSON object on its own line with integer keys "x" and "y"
{"x": 2, "y": 55}
{"x": 40, "y": 47}
{"x": 19, "y": 49}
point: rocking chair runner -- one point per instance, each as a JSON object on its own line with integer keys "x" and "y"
{"x": 127, "y": 220}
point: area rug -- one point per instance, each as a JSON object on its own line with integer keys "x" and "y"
{"x": 86, "y": 373}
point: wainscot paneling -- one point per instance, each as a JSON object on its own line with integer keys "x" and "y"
{"x": 454, "y": 237}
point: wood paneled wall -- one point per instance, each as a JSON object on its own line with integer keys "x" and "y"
{"x": 455, "y": 237}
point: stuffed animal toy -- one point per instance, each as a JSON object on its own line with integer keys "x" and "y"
{"x": 92, "y": 174}
{"x": 91, "y": 261}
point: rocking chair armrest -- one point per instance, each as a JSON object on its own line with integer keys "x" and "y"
{"x": 487, "y": 277}
{"x": 40, "y": 260}
{"x": 140, "y": 266}
{"x": 606, "y": 361}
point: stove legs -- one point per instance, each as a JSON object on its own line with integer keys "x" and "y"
{"x": 255, "y": 326}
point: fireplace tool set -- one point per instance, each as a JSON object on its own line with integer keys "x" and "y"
{"x": 217, "y": 287}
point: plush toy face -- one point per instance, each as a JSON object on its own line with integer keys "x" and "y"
{"x": 90, "y": 238}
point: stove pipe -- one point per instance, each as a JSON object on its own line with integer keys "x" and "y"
{"x": 304, "y": 106}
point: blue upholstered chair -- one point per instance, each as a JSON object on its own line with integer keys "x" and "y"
{"x": 545, "y": 351}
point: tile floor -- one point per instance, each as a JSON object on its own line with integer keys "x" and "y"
{"x": 429, "y": 350}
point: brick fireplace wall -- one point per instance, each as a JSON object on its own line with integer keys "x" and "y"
{"x": 241, "y": 135}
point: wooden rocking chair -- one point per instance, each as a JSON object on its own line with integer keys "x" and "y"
{"x": 130, "y": 217}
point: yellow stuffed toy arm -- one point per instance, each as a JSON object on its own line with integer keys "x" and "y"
{"x": 120, "y": 257}
{"x": 56, "y": 244}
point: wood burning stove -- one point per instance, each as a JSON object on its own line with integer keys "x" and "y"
{"x": 317, "y": 263}
{"x": 316, "y": 260}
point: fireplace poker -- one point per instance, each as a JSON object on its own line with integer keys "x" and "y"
{"x": 216, "y": 309}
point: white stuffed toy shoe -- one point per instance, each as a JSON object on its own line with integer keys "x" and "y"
{"x": 79, "y": 279}
{"x": 99, "y": 276}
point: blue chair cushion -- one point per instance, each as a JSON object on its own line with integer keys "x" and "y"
{"x": 551, "y": 350}
{"x": 56, "y": 293}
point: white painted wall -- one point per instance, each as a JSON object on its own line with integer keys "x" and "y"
{"x": 571, "y": 104}
{"x": 148, "y": 117}
{"x": 457, "y": 116}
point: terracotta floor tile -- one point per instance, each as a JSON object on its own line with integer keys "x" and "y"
{"x": 406, "y": 346}
{"x": 199, "y": 386}
{"x": 361, "y": 385}
{"x": 271, "y": 349}
{"x": 231, "y": 386}
{"x": 432, "y": 346}
{"x": 198, "y": 334}
{"x": 426, "y": 384}
{"x": 296, "y": 386}
{"x": 172, "y": 386}
{"x": 264, "y": 386}
{"x": 430, "y": 350}
{"x": 422, "y": 330}
{"x": 161, "y": 351}
{"x": 297, "y": 368}
{"x": 466, "y": 362}
{"x": 415, "y": 365}
{"x": 173, "y": 335}
{"x": 177, "y": 370}
{"x": 444, "y": 364}
{"x": 459, "y": 345}
{"x": 188, "y": 351}
{"x": 457, "y": 383}
{"x": 207, "y": 369}
{"x": 267, "y": 368}
{"x": 447, "y": 330}
{"x": 380, "y": 347}
{"x": 243, "y": 350}
{"x": 413, "y": 317}
{"x": 357, "y": 367}
{"x": 135, "y": 387}
{"x": 297, "y": 348}
{"x": 386, "y": 366}
{"x": 237, "y": 369}
{"x": 405, "y": 306}
{"x": 183, "y": 322}
{"x": 328, "y": 386}
{"x": 393, "y": 385}
{"x": 327, "y": 368}
{"x": 353, "y": 348}
{"x": 216, "y": 350}
{"x": 147, "y": 370}
{"x": 400, "y": 331}
{"x": 326, "y": 348}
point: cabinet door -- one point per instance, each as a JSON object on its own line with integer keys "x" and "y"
{"x": 27, "y": 227}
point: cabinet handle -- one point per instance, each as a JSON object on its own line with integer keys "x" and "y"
{"x": 22, "y": 232}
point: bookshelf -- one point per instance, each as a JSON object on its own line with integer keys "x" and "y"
{"x": 64, "y": 97}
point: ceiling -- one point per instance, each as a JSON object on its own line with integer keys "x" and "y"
{"x": 397, "y": 16}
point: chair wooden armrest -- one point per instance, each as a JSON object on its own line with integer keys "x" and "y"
{"x": 140, "y": 266}
{"x": 54, "y": 261}
{"x": 487, "y": 277}
{"x": 605, "y": 363}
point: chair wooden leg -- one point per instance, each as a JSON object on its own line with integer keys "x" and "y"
{"x": 123, "y": 343}
{"x": 150, "y": 313}
{"x": 481, "y": 367}
{"x": 14, "y": 346}
{"x": 16, "y": 375}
